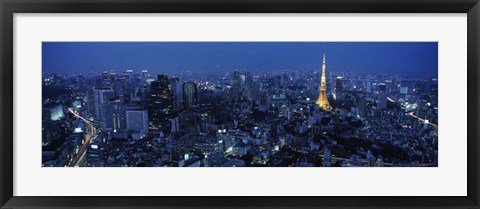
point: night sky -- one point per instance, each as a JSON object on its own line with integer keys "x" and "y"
{"x": 172, "y": 57}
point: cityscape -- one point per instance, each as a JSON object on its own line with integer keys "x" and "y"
{"x": 239, "y": 104}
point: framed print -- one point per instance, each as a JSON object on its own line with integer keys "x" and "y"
{"x": 243, "y": 104}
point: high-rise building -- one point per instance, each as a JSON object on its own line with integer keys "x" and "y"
{"x": 248, "y": 84}
{"x": 129, "y": 74}
{"x": 144, "y": 75}
{"x": 236, "y": 80}
{"x": 102, "y": 98}
{"x": 327, "y": 158}
{"x": 404, "y": 90}
{"x": 322, "y": 100}
{"x": 175, "y": 125}
{"x": 177, "y": 91}
{"x": 116, "y": 114}
{"x": 382, "y": 88}
{"x": 370, "y": 159}
{"x": 120, "y": 89}
{"x": 137, "y": 120}
{"x": 434, "y": 86}
{"x": 382, "y": 101}
{"x": 94, "y": 156}
{"x": 107, "y": 78}
{"x": 189, "y": 94}
{"x": 361, "y": 103}
{"x": 91, "y": 102}
{"x": 339, "y": 84}
{"x": 277, "y": 81}
{"x": 160, "y": 101}
{"x": 368, "y": 86}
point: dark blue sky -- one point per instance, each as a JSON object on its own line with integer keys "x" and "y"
{"x": 171, "y": 57}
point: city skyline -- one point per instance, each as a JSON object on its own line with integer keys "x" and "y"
{"x": 419, "y": 58}
{"x": 242, "y": 118}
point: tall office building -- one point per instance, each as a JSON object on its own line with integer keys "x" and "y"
{"x": 137, "y": 120}
{"x": 327, "y": 158}
{"x": 119, "y": 86}
{"x": 189, "y": 94}
{"x": 177, "y": 91}
{"x": 339, "y": 84}
{"x": 322, "y": 100}
{"x": 382, "y": 88}
{"x": 236, "y": 80}
{"x": 116, "y": 114}
{"x": 382, "y": 101}
{"x": 175, "y": 125}
{"x": 144, "y": 75}
{"x": 129, "y": 74}
{"x": 102, "y": 98}
{"x": 277, "y": 81}
{"x": 404, "y": 90}
{"x": 361, "y": 103}
{"x": 368, "y": 86}
{"x": 91, "y": 102}
{"x": 160, "y": 101}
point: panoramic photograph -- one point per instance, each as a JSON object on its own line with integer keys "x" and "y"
{"x": 239, "y": 104}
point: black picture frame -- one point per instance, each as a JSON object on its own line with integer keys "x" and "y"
{"x": 9, "y": 7}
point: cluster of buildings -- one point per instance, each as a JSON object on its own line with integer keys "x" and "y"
{"x": 240, "y": 119}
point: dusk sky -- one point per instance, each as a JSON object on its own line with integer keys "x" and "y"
{"x": 174, "y": 57}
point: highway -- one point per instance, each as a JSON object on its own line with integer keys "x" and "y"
{"x": 412, "y": 115}
{"x": 423, "y": 120}
{"x": 91, "y": 135}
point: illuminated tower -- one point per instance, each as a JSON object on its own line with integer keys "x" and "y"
{"x": 322, "y": 100}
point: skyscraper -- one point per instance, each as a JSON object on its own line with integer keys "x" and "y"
{"x": 175, "y": 124}
{"x": 368, "y": 86}
{"x": 177, "y": 91}
{"x": 116, "y": 114}
{"x": 322, "y": 100}
{"x": 339, "y": 84}
{"x": 327, "y": 158}
{"x": 236, "y": 84}
{"x": 189, "y": 94}
{"x": 382, "y": 101}
{"x": 129, "y": 74}
{"x": 144, "y": 75}
{"x": 120, "y": 89}
{"x": 160, "y": 101}
{"x": 137, "y": 120}
{"x": 382, "y": 88}
{"x": 91, "y": 102}
{"x": 102, "y": 97}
